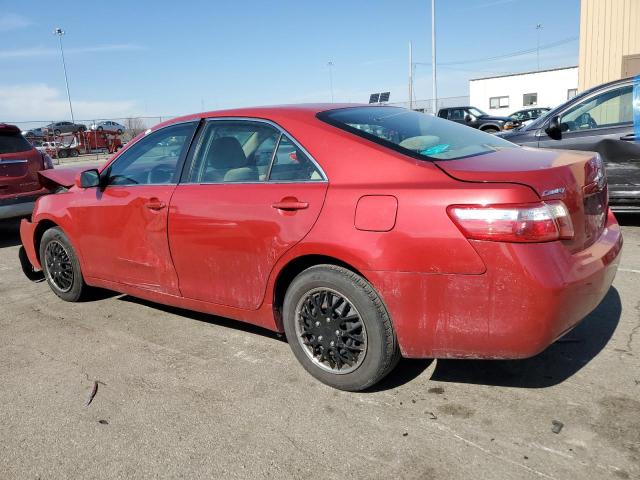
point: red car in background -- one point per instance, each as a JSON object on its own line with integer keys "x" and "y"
{"x": 362, "y": 232}
{"x": 20, "y": 163}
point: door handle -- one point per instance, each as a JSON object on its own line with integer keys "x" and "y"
{"x": 155, "y": 204}
{"x": 290, "y": 205}
{"x": 629, "y": 138}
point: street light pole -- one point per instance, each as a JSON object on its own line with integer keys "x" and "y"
{"x": 330, "y": 65}
{"x": 60, "y": 32}
{"x": 538, "y": 28}
{"x": 433, "y": 57}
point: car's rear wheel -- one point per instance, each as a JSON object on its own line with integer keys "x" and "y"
{"x": 63, "y": 153}
{"x": 119, "y": 132}
{"x": 61, "y": 265}
{"x": 73, "y": 153}
{"x": 100, "y": 128}
{"x": 338, "y": 328}
{"x": 56, "y": 132}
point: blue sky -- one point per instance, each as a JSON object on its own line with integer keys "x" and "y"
{"x": 148, "y": 57}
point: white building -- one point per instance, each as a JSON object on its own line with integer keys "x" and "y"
{"x": 505, "y": 94}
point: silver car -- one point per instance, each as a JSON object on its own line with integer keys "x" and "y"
{"x": 109, "y": 126}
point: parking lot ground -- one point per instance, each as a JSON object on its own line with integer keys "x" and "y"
{"x": 184, "y": 395}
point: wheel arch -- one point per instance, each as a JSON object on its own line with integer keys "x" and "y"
{"x": 491, "y": 126}
{"x": 292, "y": 269}
{"x": 41, "y": 227}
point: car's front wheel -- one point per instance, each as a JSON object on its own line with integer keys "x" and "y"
{"x": 491, "y": 130}
{"x": 61, "y": 265}
{"x": 338, "y": 328}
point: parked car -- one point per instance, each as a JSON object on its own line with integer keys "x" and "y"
{"x": 20, "y": 163}
{"x": 64, "y": 127}
{"x": 425, "y": 238}
{"x": 476, "y": 118}
{"x": 34, "y": 133}
{"x": 528, "y": 115}
{"x": 598, "y": 120}
{"x": 109, "y": 126}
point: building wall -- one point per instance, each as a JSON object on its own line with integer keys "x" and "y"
{"x": 551, "y": 86}
{"x": 609, "y": 31}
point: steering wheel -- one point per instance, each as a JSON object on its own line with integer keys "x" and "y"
{"x": 586, "y": 119}
{"x": 160, "y": 174}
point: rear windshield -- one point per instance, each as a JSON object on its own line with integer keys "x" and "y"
{"x": 416, "y": 134}
{"x": 13, "y": 143}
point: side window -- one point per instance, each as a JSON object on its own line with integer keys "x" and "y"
{"x": 233, "y": 151}
{"x": 443, "y": 113}
{"x": 291, "y": 164}
{"x": 153, "y": 159}
{"x": 456, "y": 114}
{"x": 608, "y": 109}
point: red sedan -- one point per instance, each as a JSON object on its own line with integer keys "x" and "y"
{"x": 363, "y": 232}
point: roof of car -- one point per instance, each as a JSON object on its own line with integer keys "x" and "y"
{"x": 273, "y": 112}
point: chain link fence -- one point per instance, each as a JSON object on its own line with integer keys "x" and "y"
{"x": 426, "y": 106}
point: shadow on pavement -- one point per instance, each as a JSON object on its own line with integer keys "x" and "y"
{"x": 10, "y": 233}
{"x": 557, "y": 363}
{"x": 206, "y": 317}
{"x": 628, "y": 219}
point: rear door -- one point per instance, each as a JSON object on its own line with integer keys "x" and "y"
{"x": 250, "y": 194}
{"x": 19, "y": 163}
{"x": 603, "y": 122}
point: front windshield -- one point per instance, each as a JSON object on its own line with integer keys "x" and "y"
{"x": 477, "y": 112}
{"x": 421, "y": 136}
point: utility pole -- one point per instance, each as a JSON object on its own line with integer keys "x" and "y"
{"x": 60, "y": 32}
{"x": 433, "y": 56}
{"x": 330, "y": 65}
{"x": 410, "y": 76}
{"x": 538, "y": 28}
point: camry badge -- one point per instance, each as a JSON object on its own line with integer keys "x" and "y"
{"x": 555, "y": 191}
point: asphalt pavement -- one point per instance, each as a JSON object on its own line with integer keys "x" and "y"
{"x": 116, "y": 387}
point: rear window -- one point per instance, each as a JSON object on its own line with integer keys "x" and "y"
{"x": 415, "y": 134}
{"x": 13, "y": 143}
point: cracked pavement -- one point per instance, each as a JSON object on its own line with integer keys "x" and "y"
{"x": 185, "y": 395}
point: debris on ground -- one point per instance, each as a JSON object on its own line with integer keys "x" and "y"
{"x": 103, "y": 422}
{"x": 436, "y": 390}
{"x": 93, "y": 392}
{"x": 432, "y": 416}
{"x": 556, "y": 426}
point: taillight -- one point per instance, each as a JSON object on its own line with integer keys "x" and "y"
{"x": 528, "y": 222}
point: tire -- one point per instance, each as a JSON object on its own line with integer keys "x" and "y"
{"x": 491, "y": 130}
{"x": 119, "y": 132}
{"x": 374, "y": 335}
{"x": 56, "y": 132}
{"x": 58, "y": 256}
{"x": 63, "y": 153}
{"x": 73, "y": 153}
{"x": 99, "y": 129}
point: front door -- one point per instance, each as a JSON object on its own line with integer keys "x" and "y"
{"x": 124, "y": 223}
{"x": 603, "y": 122}
{"x": 250, "y": 194}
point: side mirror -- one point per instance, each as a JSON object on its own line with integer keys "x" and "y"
{"x": 88, "y": 179}
{"x": 468, "y": 118}
{"x": 553, "y": 129}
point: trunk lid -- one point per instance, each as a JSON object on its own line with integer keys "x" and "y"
{"x": 19, "y": 163}
{"x": 576, "y": 178}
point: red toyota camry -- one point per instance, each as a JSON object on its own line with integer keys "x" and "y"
{"x": 365, "y": 233}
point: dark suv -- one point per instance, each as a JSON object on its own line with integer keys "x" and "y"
{"x": 602, "y": 120}
{"x": 476, "y": 118}
{"x": 19, "y": 166}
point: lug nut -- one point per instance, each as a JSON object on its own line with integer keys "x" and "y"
{"x": 337, "y": 332}
{"x": 320, "y": 338}
{"x": 317, "y": 324}
{"x": 332, "y": 343}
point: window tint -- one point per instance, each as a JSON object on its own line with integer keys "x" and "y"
{"x": 610, "y": 108}
{"x": 417, "y": 135}
{"x": 13, "y": 143}
{"x": 153, "y": 159}
{"x": 234, "y": 151}
{"x": 290, "y": 163}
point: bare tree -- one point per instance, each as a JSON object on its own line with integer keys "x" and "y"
{"x": 135, "y": 125}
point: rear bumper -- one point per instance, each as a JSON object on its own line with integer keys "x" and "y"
{"x": 530, "y": 295}
{"x": 18, "y": 205}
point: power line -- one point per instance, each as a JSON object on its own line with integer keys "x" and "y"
{"x": 507, "y": 55}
